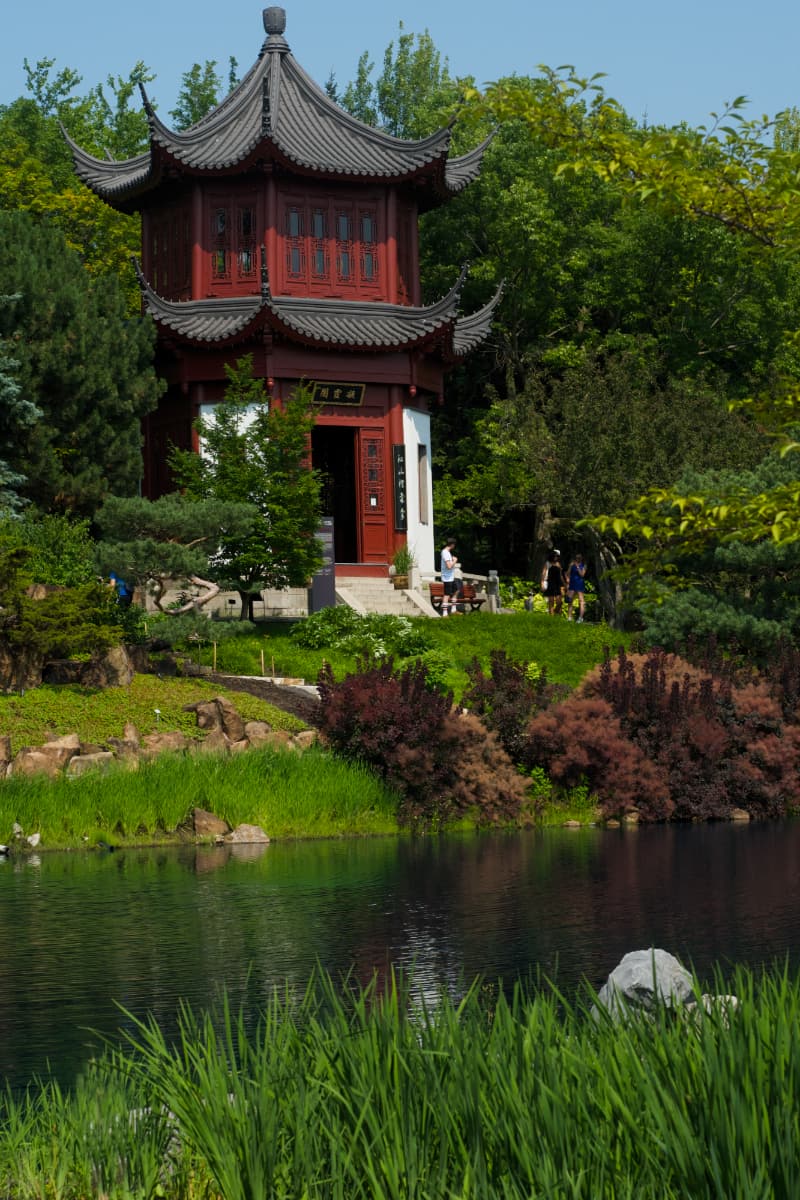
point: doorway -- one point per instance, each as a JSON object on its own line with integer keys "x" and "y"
{"x": 333, "y": 454}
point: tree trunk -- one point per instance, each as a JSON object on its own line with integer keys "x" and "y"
{"x": 604, "y": 556}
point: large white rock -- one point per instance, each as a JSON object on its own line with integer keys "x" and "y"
{"x": 643, "y": 979}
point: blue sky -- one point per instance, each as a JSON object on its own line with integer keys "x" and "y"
{"x": 667, "y": 62}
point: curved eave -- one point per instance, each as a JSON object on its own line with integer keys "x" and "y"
{"x": 459, "y": 172}
{"x": 471, "y": 331}
{"x": 359, "y": 325}
{"x": 111, "y": 180}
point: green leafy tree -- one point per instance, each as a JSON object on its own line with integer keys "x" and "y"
{"x": 18, "y": 417}
{"x": 413, "y": 95}
{"x": 172, "y": 542}
{"x": 86, "y": 366}
{"x": 257, "y": 453}
{"x": 198, "y": 95}
{"x": 59, "y": 550}
{"x": 36, "y": 170}
{"x": 732, "y": 175}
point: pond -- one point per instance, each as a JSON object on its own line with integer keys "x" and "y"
{"x": 82, "y": 934}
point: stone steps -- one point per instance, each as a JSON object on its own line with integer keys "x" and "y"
{"x": 369, "y": 595}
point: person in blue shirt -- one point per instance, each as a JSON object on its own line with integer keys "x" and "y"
{"x": 124, "y": 593}
{"x": 576, "y": 587}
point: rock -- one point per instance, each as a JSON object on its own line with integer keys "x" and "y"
{"x": 33, "y": 840}
{"x": 232, "y": 723}
{"x": 101, "y": 760}
{"x": 631, "y": 818}
{"x": 62, "y": 749}
{"x": 247, "y": 834}
{"x": 240, "y": 747}
{"x": 206, "y": 824}
{"x": 643, "y": 979}
{"x": 258, "y": 732}
{"x": 216, "y": 742}
{"x": 720, "y": 1006}
{"x": 35, "y": 762}
{"x": 740, "y": 814}
{"x": 131, "y": 734}
{"x": 5, "y": 749}
{"x": 572, "y": 825}
{"x": 306, "y": 738}
{"x": 113, "y": 669}
{"x": 206, "y": 713}
{"x": 62, "y": 671}
{"x": 612, "y": 824}
{"x": 160, "y": 743}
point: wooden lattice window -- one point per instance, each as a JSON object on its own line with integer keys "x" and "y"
{"x": 344, "y": 247}
{"x": 246, "y": 251}
{"x": 369, "y": 247}
{"x": 220, "y": 243}
{"x": 372, "y": 476}
{"x": 320, "y": 259}
{"x": 295, "y": 243}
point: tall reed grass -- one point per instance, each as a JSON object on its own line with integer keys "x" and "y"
{"x": 288, "y": 794}
{"x": 369, "y": 1094}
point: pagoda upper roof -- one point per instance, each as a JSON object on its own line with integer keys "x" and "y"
{"x": 332, "y": 324}
{"x": 278, "y": 113}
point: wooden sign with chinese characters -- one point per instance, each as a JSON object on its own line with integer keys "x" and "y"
{"x": 400, "y": 499}
{"x": 338, "y": 393}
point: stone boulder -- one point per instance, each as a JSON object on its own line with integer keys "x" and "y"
{"x": 171, "y": 741}
{"x": 100, "y": 760}
{"x": 247, "y": 835}
{"x": 112, "y": 669}
{"x": 643, "y": 980}
{"x": 33, "y": 762}
{"x": 206, "y": 825}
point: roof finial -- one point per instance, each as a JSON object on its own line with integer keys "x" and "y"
{"x": 275, "y": 20}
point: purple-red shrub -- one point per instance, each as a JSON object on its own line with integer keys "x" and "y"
{"x": 720, "y": 740}
{"x": 441, "y": 762}
{"x": 582, "y": 740}
{"x": 506, "y": 698}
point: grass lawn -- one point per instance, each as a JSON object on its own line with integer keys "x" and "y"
{"x": 150, "y": 703}
{"x": 567, "y": 650}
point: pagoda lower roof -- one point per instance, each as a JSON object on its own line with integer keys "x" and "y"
{"x": 324, "y": 323}
{"x": 278, "y": 113}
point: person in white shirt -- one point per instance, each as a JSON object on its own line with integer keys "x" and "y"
{"x": 448, "y": 571}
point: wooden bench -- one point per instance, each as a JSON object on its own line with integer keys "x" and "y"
{"x": 467, "y": 596}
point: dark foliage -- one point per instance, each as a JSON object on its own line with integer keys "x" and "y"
{"x": 507, "y": 698}
{"x": 442, "y": 763}
{"x": 717, "y": 738}
{"x": 583, "y": 741}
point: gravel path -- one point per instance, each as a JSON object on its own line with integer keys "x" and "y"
{"x": 295, "y": 700}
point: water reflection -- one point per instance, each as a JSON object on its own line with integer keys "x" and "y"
{"x": 81, "y": 934}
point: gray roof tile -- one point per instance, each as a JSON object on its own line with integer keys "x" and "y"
{"x": 279, "y": 112}
{"x": 363, "y": 325}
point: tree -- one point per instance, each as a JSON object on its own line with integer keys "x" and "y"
{"x": 83, "y": 362}
{"x": 413, "y": 96}
{"x": 199, "y": 94}
{"x": 157, "y": 545}
{"x": 59, "y": 551}
{"x": 726, "y": 175}
{"x": 257, "y": 453}
{"x": 36, "y": 170}
{"x": 18, "y": 417}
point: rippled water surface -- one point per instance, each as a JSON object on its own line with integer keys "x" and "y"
{"x": 83, "y": 934}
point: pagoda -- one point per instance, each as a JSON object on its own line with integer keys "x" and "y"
{"x": 280, "y": 226}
